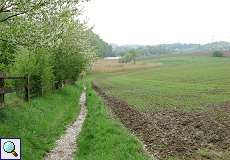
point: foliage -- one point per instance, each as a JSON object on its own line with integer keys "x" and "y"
{"x": 102, "y": 48}
{"x": 45, "y": 39}
{"x": 218, "y": 54}
{"x": 125, "y": 59}
{"x": 130, "y": 56}
{"x": 37, "y": 64}
{"x": 70, "y": 56}
{"x": 7, "y": 55}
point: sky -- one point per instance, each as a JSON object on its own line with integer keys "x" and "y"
{"x": 150, "y": 22}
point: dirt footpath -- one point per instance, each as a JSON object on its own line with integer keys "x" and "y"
{"x": 173, "y": 133}
{"x": 66, "y": 146}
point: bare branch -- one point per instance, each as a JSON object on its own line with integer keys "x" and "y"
{"x": 37, "y": 6}
{"x": 14, "y": 15}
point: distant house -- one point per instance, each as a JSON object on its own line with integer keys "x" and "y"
{"x": 112, "y": 58}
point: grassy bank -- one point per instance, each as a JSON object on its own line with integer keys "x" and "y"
{"x": 41, "y": 122}
{"x": 103, "y": 138}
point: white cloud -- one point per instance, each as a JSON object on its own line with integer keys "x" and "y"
{"x": 160, "y": 21}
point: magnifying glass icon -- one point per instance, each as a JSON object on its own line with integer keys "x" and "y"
{"x": 9, "y": 147}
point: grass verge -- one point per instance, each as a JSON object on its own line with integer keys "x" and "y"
{"x": 40, "y": 122}
{"x": 103, "y": 138}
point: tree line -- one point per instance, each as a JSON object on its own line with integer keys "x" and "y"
{"x": 151, "y": 50}
{"x": 46, "y": 39}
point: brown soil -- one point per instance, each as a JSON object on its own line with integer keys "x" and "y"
{"x": 173, "y": 133}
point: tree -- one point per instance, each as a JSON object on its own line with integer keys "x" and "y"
{"x": 130, "y": 56}
{"x": 125, "y": 59}
{"x": 218, "y": 54}
{"x": 133, "y": 55}
{"x": 35, "y": 23}
{"x": 46, "y": 39}
{"x": 102, "y": 48}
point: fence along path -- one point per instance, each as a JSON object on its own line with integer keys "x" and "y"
{"x": 5, "y": 90}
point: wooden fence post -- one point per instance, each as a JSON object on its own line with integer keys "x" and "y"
{"x": 2, "y": 85}
{"x": 27, "y": 88}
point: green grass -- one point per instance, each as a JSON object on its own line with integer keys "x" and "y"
{"x": 41, "y": 122}
{"x": 103, "y": 138}
{"x": 181, "y": 82}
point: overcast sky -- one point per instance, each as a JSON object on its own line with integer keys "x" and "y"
{"x": 160, "y": 21}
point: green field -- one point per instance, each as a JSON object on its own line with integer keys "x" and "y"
{"x": 103, "y": 138}
{"x": 41, "y": 122}
{"x": 181, "y": 82}
{"x": 185, "y": 102}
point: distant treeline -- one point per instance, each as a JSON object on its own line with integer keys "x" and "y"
{"x": 169, "y": 48}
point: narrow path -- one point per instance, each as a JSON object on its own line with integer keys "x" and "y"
{"x": 66, "y": 145}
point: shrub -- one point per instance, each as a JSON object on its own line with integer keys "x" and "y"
{"x": 37, "y": 64}
{"x": 218, "y": 54}
{"x": 125, "y": 59}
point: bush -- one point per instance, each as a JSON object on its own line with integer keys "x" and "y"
{"x": 218, "y": 54}
{"x": 37, "y": 65}
{"x": 125, "y": 59}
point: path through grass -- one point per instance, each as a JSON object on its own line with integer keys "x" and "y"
{"x": 103, "y": 138}
{"x": 41, "y": 122}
